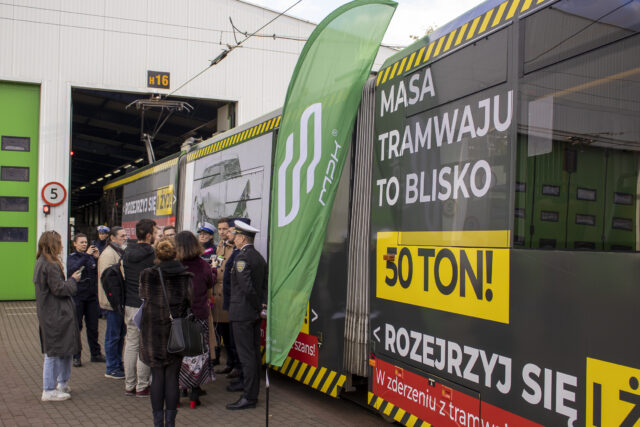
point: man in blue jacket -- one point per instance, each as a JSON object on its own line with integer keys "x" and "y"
{"x": 86, "y": 300}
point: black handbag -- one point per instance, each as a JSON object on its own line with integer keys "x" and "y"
{"x": 185, "y": 336}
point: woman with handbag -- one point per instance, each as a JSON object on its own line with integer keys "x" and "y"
{"x": 59, "y": 334}
{"x": 165, "y": 290}
{"x": 196, "y": 371}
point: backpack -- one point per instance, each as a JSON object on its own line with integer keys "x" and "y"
{"x": 114, "y": 287}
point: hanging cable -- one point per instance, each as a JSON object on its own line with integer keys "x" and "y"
{"x": 225, "y": 52}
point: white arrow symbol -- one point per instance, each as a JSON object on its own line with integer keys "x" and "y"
{"x": 314, "y": 315}
{"x": 375, "y": 333}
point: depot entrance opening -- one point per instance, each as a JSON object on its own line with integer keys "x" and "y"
{"x": 107, "y": 141}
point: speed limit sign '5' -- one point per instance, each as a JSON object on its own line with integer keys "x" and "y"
{"x": 54, "y": 193}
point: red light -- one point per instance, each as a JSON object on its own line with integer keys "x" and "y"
{"x": 46, "y": 209}
{"x": 71, "y": 153}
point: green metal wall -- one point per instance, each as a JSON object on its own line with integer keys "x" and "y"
{"x": 19, "y": 117}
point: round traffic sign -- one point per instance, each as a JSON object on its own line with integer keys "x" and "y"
{"x": 54, "y": 193}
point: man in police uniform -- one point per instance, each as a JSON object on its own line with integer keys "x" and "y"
{"x": 248, "y": 300}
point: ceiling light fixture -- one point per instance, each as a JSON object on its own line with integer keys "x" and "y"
{"x": 107, "y": 175}
{"x": 100, "y": 179}
{"x": 83, "y": 187}
{"x": 116, "y": 171}
{"x": 93, "y": 182}
{"x": 139, "y": 160}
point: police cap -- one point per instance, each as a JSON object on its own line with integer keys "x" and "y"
{"x": 244, "y": 228}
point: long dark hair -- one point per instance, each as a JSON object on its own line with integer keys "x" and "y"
{"x": 187, "y": 246}
{"x": 50, "y": 247}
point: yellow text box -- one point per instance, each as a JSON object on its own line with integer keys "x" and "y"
{"x": 613, "y": 394}
{"x": 471, "y": 281}
{"x": 164, "y": 200}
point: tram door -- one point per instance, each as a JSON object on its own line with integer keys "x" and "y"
{"x": 19, "y": 119}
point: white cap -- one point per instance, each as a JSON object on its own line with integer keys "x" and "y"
{"x": 244, "y": 228}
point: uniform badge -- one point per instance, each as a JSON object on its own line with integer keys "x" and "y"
{"x": 240, "y": 265}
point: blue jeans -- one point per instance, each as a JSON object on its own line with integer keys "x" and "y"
{"x": 56, "y": 370}
{"x": 114, "y": 340}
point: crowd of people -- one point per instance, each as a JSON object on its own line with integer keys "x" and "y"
{"x": 165, "y": 275}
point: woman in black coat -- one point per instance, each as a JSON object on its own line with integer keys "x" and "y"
{"x": 155, "y": 326}
{"x": 59, "y": 334}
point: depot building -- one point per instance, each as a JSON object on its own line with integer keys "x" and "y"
{"x": 90, "y": 91}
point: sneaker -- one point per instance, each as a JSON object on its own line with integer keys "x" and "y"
{"x": 77, "y": 362}
{"x": 131, "y": 392}
{"x": 98, "y": 358}
{"x": 64, "y": 388}
{"x": 116, "y": 375}
{"x": 143, "y": 393}
{"x": 54, "y": 396}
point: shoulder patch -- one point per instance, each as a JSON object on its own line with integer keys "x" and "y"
{"x": 240, "y": 265}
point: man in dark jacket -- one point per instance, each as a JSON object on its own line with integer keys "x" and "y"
{"x": 248, "y": 299}
{"x": 232, "y": 353}
{"x": 137, "y": 256}
{"x": 86, "y": 299}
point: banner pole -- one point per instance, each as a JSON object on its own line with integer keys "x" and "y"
{"x": 266, "y": 414}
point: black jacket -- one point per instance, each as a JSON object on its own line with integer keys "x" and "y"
{"x": 102, "y": 244}
{"x": 156, "y": 324}
{"x": 226, "y": 280}
{"x": 248, "y": 285}
{"x": 137, "y": 257}
{"x": 88, "y": 283}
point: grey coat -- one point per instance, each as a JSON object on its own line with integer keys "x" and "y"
{"x": 59, "y": 334}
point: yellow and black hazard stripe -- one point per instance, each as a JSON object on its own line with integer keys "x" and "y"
{"x": 235, "y": 139}
{"x": 146, "y": 172}
{"x": 320, "y": 378}
{"x": 466, "y": 33}
{"x": 392, "y": 411}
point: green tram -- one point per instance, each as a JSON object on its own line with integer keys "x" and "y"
{"x": 481, "y": 265}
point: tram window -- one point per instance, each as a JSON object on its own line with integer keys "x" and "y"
{"x": 14, "y": 173}
{"x": 14, "y": 204}
{"x": 14, "y": 234}
{"x": 578, "y": 145}
{"x": 15, "y": 143}
{"x": 474, "y": 68}
{"x": 569, "y": 28}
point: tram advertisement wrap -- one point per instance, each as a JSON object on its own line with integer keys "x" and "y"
{"x": 466, "y": 330}
{"x": 152, "y": 196}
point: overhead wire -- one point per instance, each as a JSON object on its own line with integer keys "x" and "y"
{"x": 225, "y": 52}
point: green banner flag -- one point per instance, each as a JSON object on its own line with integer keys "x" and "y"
{"x": 317, "y": 124}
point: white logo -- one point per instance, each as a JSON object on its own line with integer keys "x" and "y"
{"x": 314, "y": 110}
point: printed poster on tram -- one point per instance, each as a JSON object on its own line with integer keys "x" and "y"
{"x": 468, "y": 330}
{"x": 153, "y": 196}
